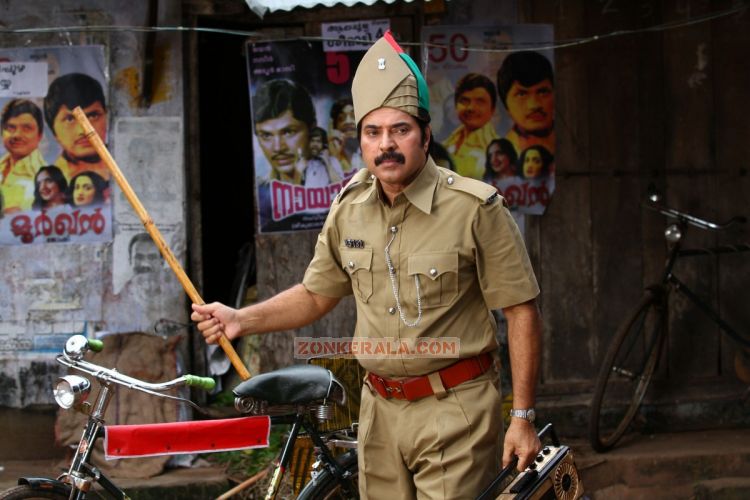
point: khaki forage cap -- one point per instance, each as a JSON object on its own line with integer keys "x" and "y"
{"x": 385, "y": 78}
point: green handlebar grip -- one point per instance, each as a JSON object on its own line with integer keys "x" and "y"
{"x": 205, "y": 383}
{"x": 96, "y": 345}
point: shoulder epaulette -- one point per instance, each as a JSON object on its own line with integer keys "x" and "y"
{"x": 360, "y": 178}
{"x": 486, "y": 193}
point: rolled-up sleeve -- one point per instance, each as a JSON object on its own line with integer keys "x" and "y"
{"x": 503, "y": 266}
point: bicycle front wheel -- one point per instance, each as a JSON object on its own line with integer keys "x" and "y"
{"x": 326, "y": 487}
{"x": 29, "y": 492}
{"x": 626, "y": 371}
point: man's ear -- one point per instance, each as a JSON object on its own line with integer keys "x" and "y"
{"x": 427, "y": 136}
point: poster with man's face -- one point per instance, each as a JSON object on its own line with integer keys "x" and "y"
{"x": 493, "y": 112}
{"x": 304, "y": 134}
{"x": 54, "y": 187}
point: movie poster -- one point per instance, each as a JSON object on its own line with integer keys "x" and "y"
{"x": 305, "y": 137}
{"x": 493, "y": 112}
{"x": 53, "y": 185}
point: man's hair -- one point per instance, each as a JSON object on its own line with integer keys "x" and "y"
{"x": 138, "y": 238}
{"x": 275, "y": 97}
{"x": 17, "y": 107}
{"x": 471, "y": 81}
{"x": 527, "y": 68}
{"x": 338, "y": 107}
{"x": 319, "y": 132}
{"x": 71, "y": 90}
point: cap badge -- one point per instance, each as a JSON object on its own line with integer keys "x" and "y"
{"x": 381, "y": 63}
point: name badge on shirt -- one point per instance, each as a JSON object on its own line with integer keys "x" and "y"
{"x": 351, "y": 243}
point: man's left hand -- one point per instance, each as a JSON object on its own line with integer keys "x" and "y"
{"x": 520, "y": 440}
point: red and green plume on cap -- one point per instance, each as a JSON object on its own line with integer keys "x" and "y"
{"x": 388, "y": 77}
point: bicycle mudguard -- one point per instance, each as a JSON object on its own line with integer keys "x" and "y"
{"x": 44, "y": 483}
{"x": 203, "y": 436}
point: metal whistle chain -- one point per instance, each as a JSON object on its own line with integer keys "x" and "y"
{"x": 394, "y": 284}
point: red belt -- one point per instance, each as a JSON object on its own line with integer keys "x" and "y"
{"x": 415, "y": 388}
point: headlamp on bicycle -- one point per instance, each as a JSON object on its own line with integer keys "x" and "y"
{"x": 71, "y": 390}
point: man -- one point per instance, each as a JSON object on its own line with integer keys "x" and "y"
{"x": 143, "y": 255}
{"x": 475, "y": 101}
{"x": 321, "y": 169}
{"x": 284, "y": 114}
{"x": 343, "y": 142}
{"x": 525, "y": 84}
{"x": 66, "y": 93}
{"x": 22, "y": 127}
{"x": 426, "y": 254}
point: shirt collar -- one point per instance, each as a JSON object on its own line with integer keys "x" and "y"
{"x": 419, "y": 193}
{"x": 422, "y": 189}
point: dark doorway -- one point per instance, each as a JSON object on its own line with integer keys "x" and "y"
{"x": 226, "y": 161}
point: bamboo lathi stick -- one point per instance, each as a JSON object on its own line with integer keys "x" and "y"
{"x": 153, "y": 231}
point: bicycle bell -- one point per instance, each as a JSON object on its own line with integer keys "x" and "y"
{"x": 673, "y": 233}
{"x": 76, "y": 347}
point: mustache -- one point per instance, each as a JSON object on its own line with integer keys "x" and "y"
{"x": 390, "y": 155}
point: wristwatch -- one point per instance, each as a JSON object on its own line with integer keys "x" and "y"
{"x": 528, "y": 414}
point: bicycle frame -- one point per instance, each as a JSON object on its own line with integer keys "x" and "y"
{"x": 300, "y": 421}
{"x": 674, "y": 237}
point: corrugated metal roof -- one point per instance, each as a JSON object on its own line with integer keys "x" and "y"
{"x": 261, "y": 7}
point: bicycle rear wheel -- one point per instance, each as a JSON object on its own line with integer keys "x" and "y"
{"x": 326, "y": 487}
{"x": 29, "y": 492}
{"x": 626, "y": 371}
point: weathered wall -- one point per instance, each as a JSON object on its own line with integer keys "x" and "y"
{"x": 52, "y": 290}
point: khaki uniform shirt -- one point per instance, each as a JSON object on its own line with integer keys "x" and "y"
{"x": 455, "y": 234}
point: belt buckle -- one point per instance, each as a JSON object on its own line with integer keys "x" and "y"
{"x": 397, "y": 391}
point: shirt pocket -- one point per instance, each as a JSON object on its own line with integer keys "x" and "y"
{"x": 438, "y": 277}
{"x": 357, "y": 262}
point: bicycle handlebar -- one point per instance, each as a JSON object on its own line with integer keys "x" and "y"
{"x": 72, "y": 359}
{"x": 691, "y": 219}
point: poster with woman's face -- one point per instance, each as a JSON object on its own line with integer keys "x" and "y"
{"x": 493, "y": 111}
{"x": 54, "y": 187}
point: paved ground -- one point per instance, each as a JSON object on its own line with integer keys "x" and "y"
{"x": 706, "y": 465}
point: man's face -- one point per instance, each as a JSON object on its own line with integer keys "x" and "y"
{"x": 21, "y": 135}
{"x": 474, "y": 108}
{"x": 145, "y": 257}
{"x": 70, "y": 134}
{"x": 532, "y": 164}
{"x": 316, "y": 145}
{"x": 392, "y": 146}
{"x": 284, "y": 140}
{"x": 499, "y": 161}
{"x": 345, "y": 122}
{"x": 83, "y": 191}
{"x": 532, "y": 108}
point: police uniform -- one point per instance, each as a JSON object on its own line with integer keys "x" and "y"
{"x": 429, "y": 266}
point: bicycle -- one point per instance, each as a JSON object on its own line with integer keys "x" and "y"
{"x": 300, "y": 395}
{"x": 634, "y": 351}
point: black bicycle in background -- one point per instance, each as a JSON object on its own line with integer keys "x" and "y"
{"x": 632, "y": 356}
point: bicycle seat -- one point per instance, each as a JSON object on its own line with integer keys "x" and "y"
{"x": 297, "y": 384}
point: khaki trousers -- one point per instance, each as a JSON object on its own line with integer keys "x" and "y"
{"x": 448, "y": 448}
